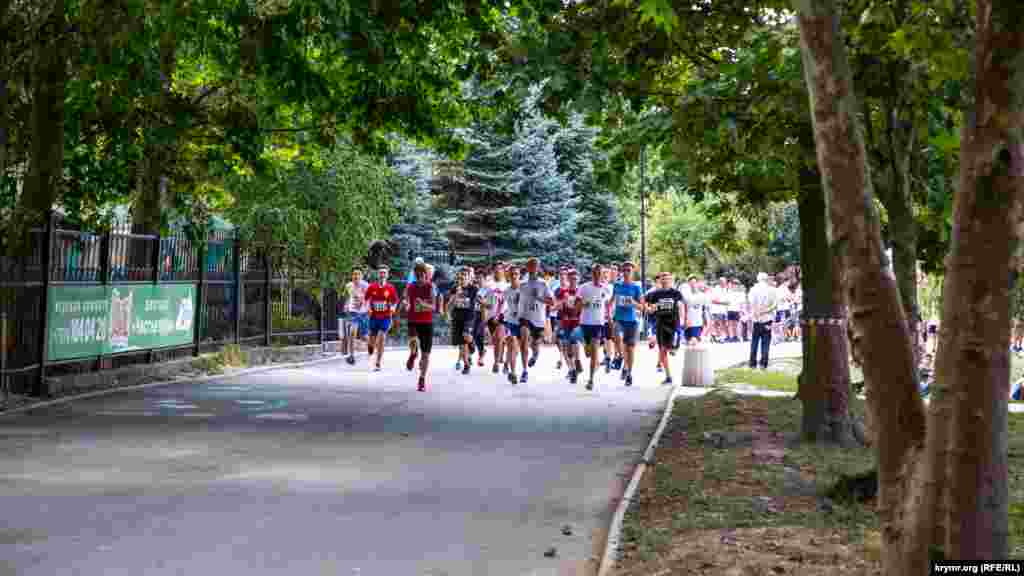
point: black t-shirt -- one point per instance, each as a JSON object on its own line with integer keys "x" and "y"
{"x": 666, "y": 305}
{"x": 464, "y": 302}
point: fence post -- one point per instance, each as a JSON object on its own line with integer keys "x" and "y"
{"x": 106, "y": 257}
{"x": 268, "y": 321}
{"x": 200, "y": 311}
{"x": 323, "y": 309}
{"x": 157, "y": 264}
{"x": 49, "y": 238}
{"x": 236, "y": 252}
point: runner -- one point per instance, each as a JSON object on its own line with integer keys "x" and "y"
{"x": 592, "y": 305}
{"x": 534, "y": 296}
{"x": 462, "y": 304}
{"x": 555, "y": 314}
{"x": 666, "y": 304}
{"x": 358, "y": 311}
{"x": 512, "y": 328}
{"x": 493, "y": 305}
{"x": 628, "y": 298}
{"x": 569, "y": 333}
{"x": 481, "y": 281}
{"x": 732, "y": 314}
{"x": 610, "y": 276}
{"x": 420, "y": 297}
{"x": 382, "y": 299}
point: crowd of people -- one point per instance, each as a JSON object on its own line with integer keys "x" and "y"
{"x": 596, "y": 317}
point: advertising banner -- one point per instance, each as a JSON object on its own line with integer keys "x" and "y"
{"x": 89, "y": 321}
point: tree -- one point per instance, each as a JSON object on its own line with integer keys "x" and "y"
{"x": 935, "y": 492}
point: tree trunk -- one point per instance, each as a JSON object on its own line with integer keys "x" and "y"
{"x": 46, "y": 152}
{"x": 825, "y": 378}
{"x": 160, "y": 146}
{"x": 987, "y": 208}
{"x": 876, "y": 314}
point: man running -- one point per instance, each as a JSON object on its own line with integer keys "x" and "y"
{"x": 666, "y": 304}
{"x": 569, "y": 334}
{"x": 592, "y": 305}
{"x": 358, "y": 312}
{"x": 628, "y": 298}
{"x": 493, "y": 307}
{"x": 420, "y": 297}
{"x": 512, "y": 328}
{"x": 462, "y": 304}
{"x": 610, "y": 276}
{"x": 382, "y": 299}
{"x": 481, "y": 281}
{"x": 534, "y": 297}
{"x": 556, "y": 313}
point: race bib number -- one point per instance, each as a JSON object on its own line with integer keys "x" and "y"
{"x": 380, "y": 306}
{"x": 625, "y": 301}
{"x": 594, "y": 304}
{"x": 357, "y": 302}
{"x": 666, "y": 305}
{"x": 538, "y": 306}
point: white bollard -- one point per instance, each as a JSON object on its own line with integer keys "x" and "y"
{"x": 697, "y": 369}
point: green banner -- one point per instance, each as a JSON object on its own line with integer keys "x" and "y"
{"x": 88, "y": 321}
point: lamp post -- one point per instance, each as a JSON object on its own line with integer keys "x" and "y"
{"x": 643, "y": 226}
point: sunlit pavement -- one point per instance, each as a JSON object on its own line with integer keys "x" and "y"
{"x": 328, "y": 469}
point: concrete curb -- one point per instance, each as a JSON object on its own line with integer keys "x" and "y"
{"x": 611, "y": 545}
{"x": 199, "y": 380}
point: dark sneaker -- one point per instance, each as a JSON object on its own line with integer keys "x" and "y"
{"x": 377, "y": 368}
{"x": 411, "y": 362}
{"x": 423, "y": 385}
{"x": 512, "y": 378}
{"x": 523, "y": 378}
{"x": 622, "y": 375}
{"x": 579, "y": 367}
{"x": 667, "y": 382}
{"x": 351, "y": 360}
{"x": 494, "y": 369}
{"x": 465, "y": 369}
{"x": 480, "y": 361}
{"x": 590, "y": 385}
{"x": 629, "y": 379}
{"x": 533, "y": 360}
{"x": 607, "y": 366}
{"x": 558, "y": 365}
{"x": 617, "y": 364}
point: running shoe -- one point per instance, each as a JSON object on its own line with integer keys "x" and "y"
{"x": 629, "y": 379}
{"x": 494, "y": 369}
{"x": 480, "y": 361}
{"x": 579, "y": 367}
{"x": 411, "y": 361}
{"x": 465, "y": 369}
{"x": 607, "y": 366}
{"x": 511, "y": 378}
{"x": 377, "y": 368}
{"x": 423, "y": 385}
{"x": 523, "y": 378}
{"x": 617, "y": 363}
{"x": 590, "y": 385}
{"x": 458, "y": 365}
{"x": 558, "y": 365}
{"x": 351, "y": 360}
{"x": 667, "y": 382}
{"x": 533, "y": 360}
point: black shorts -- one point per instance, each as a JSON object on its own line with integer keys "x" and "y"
{"x": 535, "y": 332}
{"x": 734, "y": 316}
{"x": 425, "y": 334}
{"x": 666, "y": 334}
{"x": 592, "y": 333}
{"x": 461, "y": 329}
{"x": 492, "y": 326}
{"x": 628, "y": 331}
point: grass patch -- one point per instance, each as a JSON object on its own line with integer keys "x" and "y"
{"x": 230, "y": 356}
{"x": 728, "y": 494}
{"x": 763, "y": 379}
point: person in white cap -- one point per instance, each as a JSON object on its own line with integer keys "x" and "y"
{"x": 763, "y": 303}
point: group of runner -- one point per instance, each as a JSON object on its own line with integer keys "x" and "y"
{"x": 514, "y": 305}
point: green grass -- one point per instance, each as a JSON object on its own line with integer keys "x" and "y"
{"x": 763, "y": 379}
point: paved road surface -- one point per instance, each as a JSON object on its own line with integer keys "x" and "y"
{"x": 327, "y": 469}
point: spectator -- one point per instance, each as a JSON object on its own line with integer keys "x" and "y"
{"x": 763, "y": 304}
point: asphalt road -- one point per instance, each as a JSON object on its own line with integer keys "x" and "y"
{"x": 327, "y": 469}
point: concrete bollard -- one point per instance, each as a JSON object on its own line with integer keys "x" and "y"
{"x": 697, "y": 369}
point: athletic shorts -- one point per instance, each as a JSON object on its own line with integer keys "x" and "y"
{"x": 666, "y": 335}
{"x": 361, "y": 322}
{"x": 734, "y": 316}
{"x": 425, "y": 334}
{"x": 461, "y": 329}
{"x": 535, "y": 332}
{"x": 512, "y": 329}
{"x": 593, "y": 333}
{"x": 492, "y": 326}
{"x": 693, "y": 332}
{"x": 778, "y": 315}
{"x": 570, "y": 335}
{"x": 719, "y": 316}
{"x": 379, "y": 325}
{"x": 628, "y": 332}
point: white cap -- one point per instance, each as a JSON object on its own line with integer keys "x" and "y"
{"x": 419, "y": 260}
{"x": 761, "y": 276}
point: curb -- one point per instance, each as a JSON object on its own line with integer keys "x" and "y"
{"x": 199, "y": 380}
{"x": 611, "y": 545}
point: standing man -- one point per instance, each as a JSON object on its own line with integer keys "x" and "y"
{"x": 382, "y": 299}
{"x": 666, "y": 304}
{"x": 420, "y": 297}
{"x": 592, "y": 305}
{"x": 733, "y": 313}
{"x": 763, "y": 303}
{"x": 534, "y": 298}
{"x": 358, "y": 310}
{"x": 693, "y": 315}
{"x": 629, "y": 298}
{"x": 462, "y": 304}
{"x": 569, "y": 321}
{"x": 512, "y": 328}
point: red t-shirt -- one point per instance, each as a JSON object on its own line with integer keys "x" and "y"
{"x": 421, "y": 302}
{"x": 381, "y": 300}
{"x": 570, "y": 317}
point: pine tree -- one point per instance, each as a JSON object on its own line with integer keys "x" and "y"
{"x": 420, "y": 229}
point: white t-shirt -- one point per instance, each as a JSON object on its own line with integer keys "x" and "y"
{"x": 762, "y": 300}
{"x": 718, "y": 293}
{"x": 532, "y": 304}
{"x": 357, "y": 298}
{"x": 511, "y": 305}
{"x": 494, "y": 296}
{"x": 736, "y": 300}
{"x": 595, "y": 304}
{"x": 695, "y": 303}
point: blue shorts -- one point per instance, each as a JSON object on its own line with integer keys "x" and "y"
{"x": 592, "y": 333}
{"x": 378, "y": 325}
{"x": 628, "y": 332}
{"x": 512, "y": 329}
{"x": 570, "y": 336}
{"x": 693, "y": 332}
{"x": 361, "y": 322}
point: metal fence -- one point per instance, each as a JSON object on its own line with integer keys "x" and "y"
{"x": 239, "y": 297}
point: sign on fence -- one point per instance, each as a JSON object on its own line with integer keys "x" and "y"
{"x": 89, "y": 321}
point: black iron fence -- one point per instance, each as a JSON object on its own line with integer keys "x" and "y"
{"x": 68, "y": 302}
